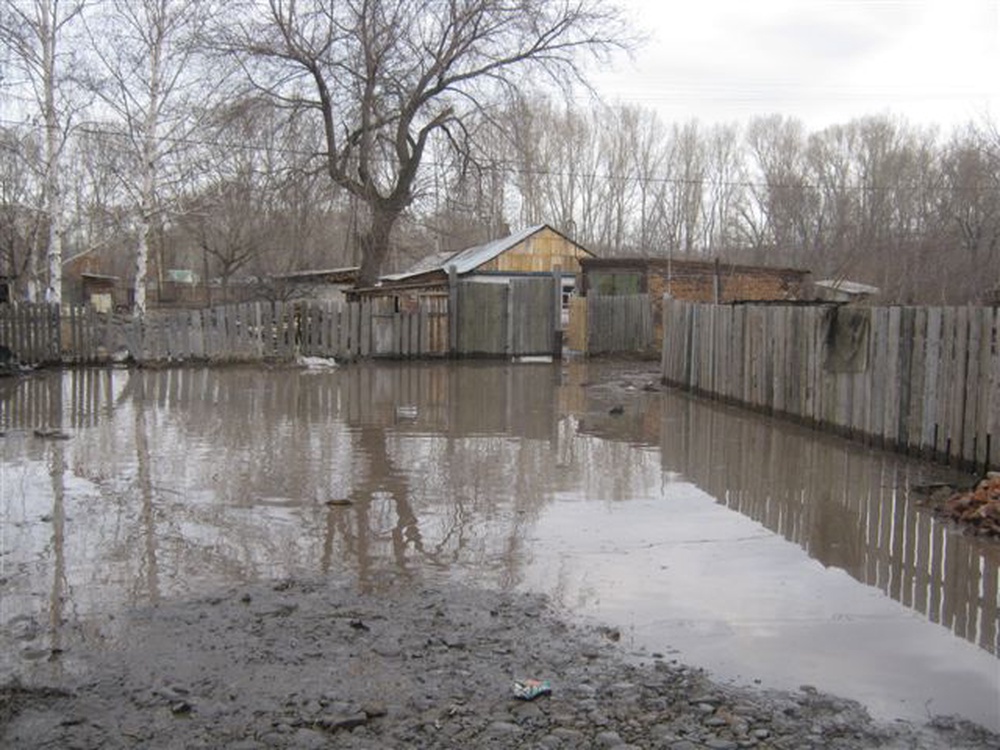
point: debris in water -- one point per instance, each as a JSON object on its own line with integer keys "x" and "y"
{"x": 406, "y": 412}
{"x": 979, "y": 508}
{"x": 315, "y": 363}
{"x": 51, "y": 434}
{"x": 612, "y": 634}
{"x": 528, "y": 690}
{"x": 339, "y": 502}
{"x": 616, "y": 410}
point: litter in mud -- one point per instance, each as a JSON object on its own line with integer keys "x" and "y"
{"x": 528, "y": 690}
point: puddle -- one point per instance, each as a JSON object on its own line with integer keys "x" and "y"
{"x": 759, "y": 550}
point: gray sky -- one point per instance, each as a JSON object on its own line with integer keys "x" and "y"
{"x": 823, "y": 61}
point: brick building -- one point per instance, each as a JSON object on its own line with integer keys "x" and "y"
{"x": 691, "y": 280}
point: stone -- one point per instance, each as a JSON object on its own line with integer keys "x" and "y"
{"x": 717, "y": 743}
{"x": 336, "y": 723}
{"x": 502, "y": 729}
{"x": 608, "y": 740}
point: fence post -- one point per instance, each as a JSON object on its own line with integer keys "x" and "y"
{"x": 557, "y": 328}
{"x": 452, "y": 310}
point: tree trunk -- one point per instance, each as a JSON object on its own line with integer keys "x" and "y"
{"x": 374, "y": 243}
{"x": 150, "y": 161}
{"x": 141, "y": 267}
{"x": 53, "y": 147}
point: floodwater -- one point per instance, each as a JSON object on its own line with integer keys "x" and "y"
{"x": 764, "y": 552}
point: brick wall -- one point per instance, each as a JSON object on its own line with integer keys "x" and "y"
{"x": 695, "y": 281}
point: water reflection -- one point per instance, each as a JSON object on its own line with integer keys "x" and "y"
{"x": 177, "y": 481}
{"x": 848, "y": 508}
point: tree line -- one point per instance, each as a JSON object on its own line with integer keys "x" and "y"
{"x": 245, "y": 139}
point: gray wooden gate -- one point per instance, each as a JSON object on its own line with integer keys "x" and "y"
{"x": 513, "y": 318}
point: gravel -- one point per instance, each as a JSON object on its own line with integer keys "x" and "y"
{"x": 300, "y": 664}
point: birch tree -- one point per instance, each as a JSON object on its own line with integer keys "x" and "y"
{"x": 152, "y": 83}
{"x": 33, "y": 31}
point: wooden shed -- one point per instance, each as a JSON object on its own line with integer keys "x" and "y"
{"x": 504, "y": 266}
{"x": 328, "y": 284}
{"x": 534, "y": 251}
{"x": 103, "y": 292}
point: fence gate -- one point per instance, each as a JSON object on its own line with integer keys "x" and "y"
{"x": 510, "y": 319}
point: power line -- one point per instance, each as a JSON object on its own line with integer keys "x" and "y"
{"x": 512, "y": 167}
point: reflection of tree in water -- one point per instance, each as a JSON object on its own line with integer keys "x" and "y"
{"x": 379, "y": 498}
{"x": 61, "y": 591}
{"x": 148, "y": 565}
{"x": 203, "y": 477}
{"x": 401, "y": 474}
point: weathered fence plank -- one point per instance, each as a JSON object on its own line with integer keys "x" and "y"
{"x": 917, "y": 379}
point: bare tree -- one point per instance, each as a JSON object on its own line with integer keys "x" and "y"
{"x": 149, "y": 79}
{"x": 387, "y": 76}
{"x": 33, "y": 32}
{"x": 21, "y": 191}
{"x": 724, "y": 188}
{"x": 783, "y": 203}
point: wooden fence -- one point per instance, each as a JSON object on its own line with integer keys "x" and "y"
{"x": 494, "y": 320}
{"x": 922, "y": 380}
{"x": 512, "y": 319}
{"x": 619, "y": 324}
{"x": 253, "y": 331}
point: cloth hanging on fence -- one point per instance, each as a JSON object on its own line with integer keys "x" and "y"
{"x": 847, "y": 339}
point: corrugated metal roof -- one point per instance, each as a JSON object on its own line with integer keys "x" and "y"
{"x": 469, "y": 259}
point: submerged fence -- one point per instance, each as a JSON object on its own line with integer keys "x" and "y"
{"x": 923, "y": 380}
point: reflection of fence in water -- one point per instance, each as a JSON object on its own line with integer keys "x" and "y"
{"x": 848, "y": 507}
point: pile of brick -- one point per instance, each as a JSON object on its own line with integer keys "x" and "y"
{"x": 978, "y": 508}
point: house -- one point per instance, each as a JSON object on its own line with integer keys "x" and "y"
{"x": 535, "y": 251}
{"x": 422, "y": 295}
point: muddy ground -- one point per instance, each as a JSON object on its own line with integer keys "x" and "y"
{"x": 301, "y": 664}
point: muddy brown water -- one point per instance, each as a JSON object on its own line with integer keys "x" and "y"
{"x": 767, "y": 553}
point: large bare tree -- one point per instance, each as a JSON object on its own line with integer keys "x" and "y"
{"x": 388, "y": 76}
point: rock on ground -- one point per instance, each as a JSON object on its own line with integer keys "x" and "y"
{"x": 312, "y": 665}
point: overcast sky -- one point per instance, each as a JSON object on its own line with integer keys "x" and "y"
{"x": 823, "y": 61}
